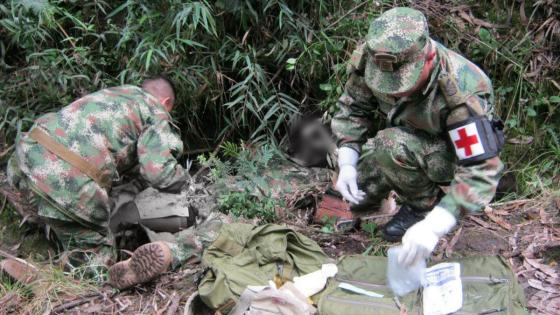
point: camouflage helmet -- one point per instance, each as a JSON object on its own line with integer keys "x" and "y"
{"x": 397, "y": 42}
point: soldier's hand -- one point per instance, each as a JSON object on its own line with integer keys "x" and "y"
{"x": 421, "y": 238}
{"x": 347, "y": 184}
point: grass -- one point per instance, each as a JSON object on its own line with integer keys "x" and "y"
{"x": 58, "y": 282}
{"x": 53, "y": 288}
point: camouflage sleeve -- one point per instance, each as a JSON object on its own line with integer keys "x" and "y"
{"x": 473, "y": 186}
{"x": 158, "y": 147}
{"x": 356, "y": 105}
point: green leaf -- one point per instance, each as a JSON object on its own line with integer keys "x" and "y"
{"x": 149, "y": 58}
{"x": 119, "y": 9}
{"x": 325, "y": 87}
{"x": 554, "y": 99}
{"x": 327, "y": 229}
{"x": 530, "y": 112}
{"x": 485, "y": 35}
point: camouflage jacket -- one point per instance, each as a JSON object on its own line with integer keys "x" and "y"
{"x": 473, "y": 186}
{"x": 114, "y": 129}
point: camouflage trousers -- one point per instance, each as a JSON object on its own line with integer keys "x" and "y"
{"x": 410, "y": 162}
{"x": 73, "y": 234}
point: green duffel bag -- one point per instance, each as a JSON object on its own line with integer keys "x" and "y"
{"x": 489, "y": 287}
{"x": 245, "y": 255}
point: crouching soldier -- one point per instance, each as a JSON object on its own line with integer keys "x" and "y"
{"x": 70, "y": 160}
{"x": 440, "y": 132}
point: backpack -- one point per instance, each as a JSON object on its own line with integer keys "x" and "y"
{"x": 489, "y": 287}
{"x": 245, "y": 255}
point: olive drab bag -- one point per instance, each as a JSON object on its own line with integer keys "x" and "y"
{"x": 245, "y": 255}
{"x": 489, "y": 287}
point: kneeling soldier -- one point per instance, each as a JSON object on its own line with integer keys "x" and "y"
{"x": 440, "y": 132}
{"x": 70, "y": 160}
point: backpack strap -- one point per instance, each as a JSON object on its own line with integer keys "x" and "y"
{"x": 101, "y": 178}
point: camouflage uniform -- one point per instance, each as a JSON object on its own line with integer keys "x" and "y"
{"x": 116, "y": 130}
{"x": 413, "y": 155}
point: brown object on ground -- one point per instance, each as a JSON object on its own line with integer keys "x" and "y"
{"x": 19, "y": 270}
{"x": 332, "y": 207}
{"x": 148, "y": 261}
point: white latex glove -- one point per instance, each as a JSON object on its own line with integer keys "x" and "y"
{"x": 314, "y": 282}
{"x": 420, "y": 239}
{"x": 347, "y": 182}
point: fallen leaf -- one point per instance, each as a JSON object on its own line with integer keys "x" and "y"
{"x": 451, "y": 244}
{"x": 496, "y": 219}
{"x": 540, "y": 286}
{"x": 521, "y": 140}
{"x": 480, "y": 222}
{"x": 536, "y": 263}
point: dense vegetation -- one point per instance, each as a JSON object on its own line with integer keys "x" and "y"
{"x": 245, "y": 68}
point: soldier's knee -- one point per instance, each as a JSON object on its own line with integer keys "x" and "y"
{"x": 390, "y": 138}
{"x": 388, "y": 144}
{"x": 392, "y": 147}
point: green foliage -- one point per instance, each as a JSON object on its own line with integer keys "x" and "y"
{"x": 240, "y": 182}
{"x": 328, "y": 224}
{"x": 370, "y": 228}
{"x": 226, "y": 57}
{"x": 242, "y": 204}
{"x": 245, "y": 69}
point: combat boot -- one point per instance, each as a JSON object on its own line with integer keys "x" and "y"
{"x": 19, "y": 270}
{"x": 146, "y": 263}
{"x": 404, "y": 219}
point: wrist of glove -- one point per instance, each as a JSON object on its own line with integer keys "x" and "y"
{"x": 347, "y": 156}
{"x": 420, "y": 239}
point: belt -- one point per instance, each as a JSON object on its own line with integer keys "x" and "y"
{"x": 100, "y": 177}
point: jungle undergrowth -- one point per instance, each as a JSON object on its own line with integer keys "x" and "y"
{"x": 242, "y": 188}
{"x": 245, "y": 69}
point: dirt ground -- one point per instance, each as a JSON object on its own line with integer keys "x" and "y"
{"x": 526, "y": 232}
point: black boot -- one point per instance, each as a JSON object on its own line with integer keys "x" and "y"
{"x": 405, "y": 218}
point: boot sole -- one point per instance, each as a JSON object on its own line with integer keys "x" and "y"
{"x": 147, "y": 262}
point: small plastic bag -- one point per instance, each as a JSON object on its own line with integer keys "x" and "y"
{"x": 403, "y": 279}
{"x": 443, "y": 289}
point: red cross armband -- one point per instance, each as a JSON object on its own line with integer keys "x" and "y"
{"x": 476, "y": 139}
